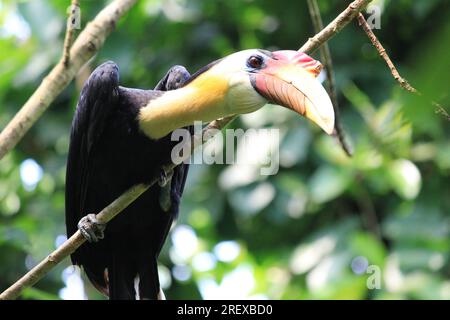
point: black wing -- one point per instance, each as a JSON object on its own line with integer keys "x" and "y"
{"x": 98, "y": 98}
{"x": 107, "y": 155}
{"x": 174, "y": 78}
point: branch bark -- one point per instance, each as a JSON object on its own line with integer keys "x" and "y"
{"x": 70, "y": 30}
{"x": 335, "y": 26}
{"x": 89, "y": 41}
{"x": 134, "y": 192}
{"x": 401, "y": 81}
{"x": 325, "y": 56}
{"x": 104, "y": 216}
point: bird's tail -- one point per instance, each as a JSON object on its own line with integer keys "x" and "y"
{"x": 131, "y": 279}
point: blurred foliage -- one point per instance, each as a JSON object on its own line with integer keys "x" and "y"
{"x": 307, "y": 232}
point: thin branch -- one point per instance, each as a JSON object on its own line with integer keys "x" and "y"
{"x": 104, "y": 216}
{"x": 402, "y": 81}
{"x": 133, "y": 193}
{"x": 71, "y": 244}
{"x": 70, "y": 30}
{"x": 325, "y": 56}
{"x": 89, "y": 41}
{"x": 335, "y": 26}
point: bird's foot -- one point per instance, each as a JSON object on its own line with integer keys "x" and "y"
{"x": 91, "y": 229}
{"x": 164, "y": 176}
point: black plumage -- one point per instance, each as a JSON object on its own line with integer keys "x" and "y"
{"x": 107, "y": 155}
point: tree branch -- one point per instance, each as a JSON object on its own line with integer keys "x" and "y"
{"x": 71, "y": 244}
{"x": 134, "y": 192}
{"x": 335, "y": 26}
{"x": 104, "y": 216}
{"x": 325, "y": 56}
{"x": 70, "y": 30}
{"x": 87, "y": 44}
{"x": 401, "y": 81}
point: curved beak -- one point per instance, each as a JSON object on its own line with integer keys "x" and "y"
{"x": 289, "y": 79}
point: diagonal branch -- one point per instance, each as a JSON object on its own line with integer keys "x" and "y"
{"x": 89, "y": 41}
{"x": 104, "y": 216}
{"x": 335, "y": 26}
{"x": 76, "y": 240}
{"x": 402, "y": 81}
{"x": 325, "y": 56}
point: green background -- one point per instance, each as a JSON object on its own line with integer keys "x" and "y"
{"x": 293, "y": 235}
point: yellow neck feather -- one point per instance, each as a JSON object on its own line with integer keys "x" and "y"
{"x": 204, "y": 99}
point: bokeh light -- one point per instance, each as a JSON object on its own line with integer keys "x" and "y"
{"x": 30, "y": 174}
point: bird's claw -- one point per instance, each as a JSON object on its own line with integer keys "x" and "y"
{"x": 164, "y": 177}
{"x": 91, "y": 229}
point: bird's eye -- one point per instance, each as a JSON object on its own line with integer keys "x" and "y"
{"x": 255, "y": 62}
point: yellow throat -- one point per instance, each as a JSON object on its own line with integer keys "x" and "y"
{"x": 203, "y": 99}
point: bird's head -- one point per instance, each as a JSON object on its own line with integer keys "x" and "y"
{"x": 287, "y": 78}
{"x": 245, "y": 81}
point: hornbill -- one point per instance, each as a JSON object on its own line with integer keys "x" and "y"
{"x": 121, "y": 137}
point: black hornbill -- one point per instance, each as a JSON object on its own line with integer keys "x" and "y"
{"x": 121, "y": 137}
